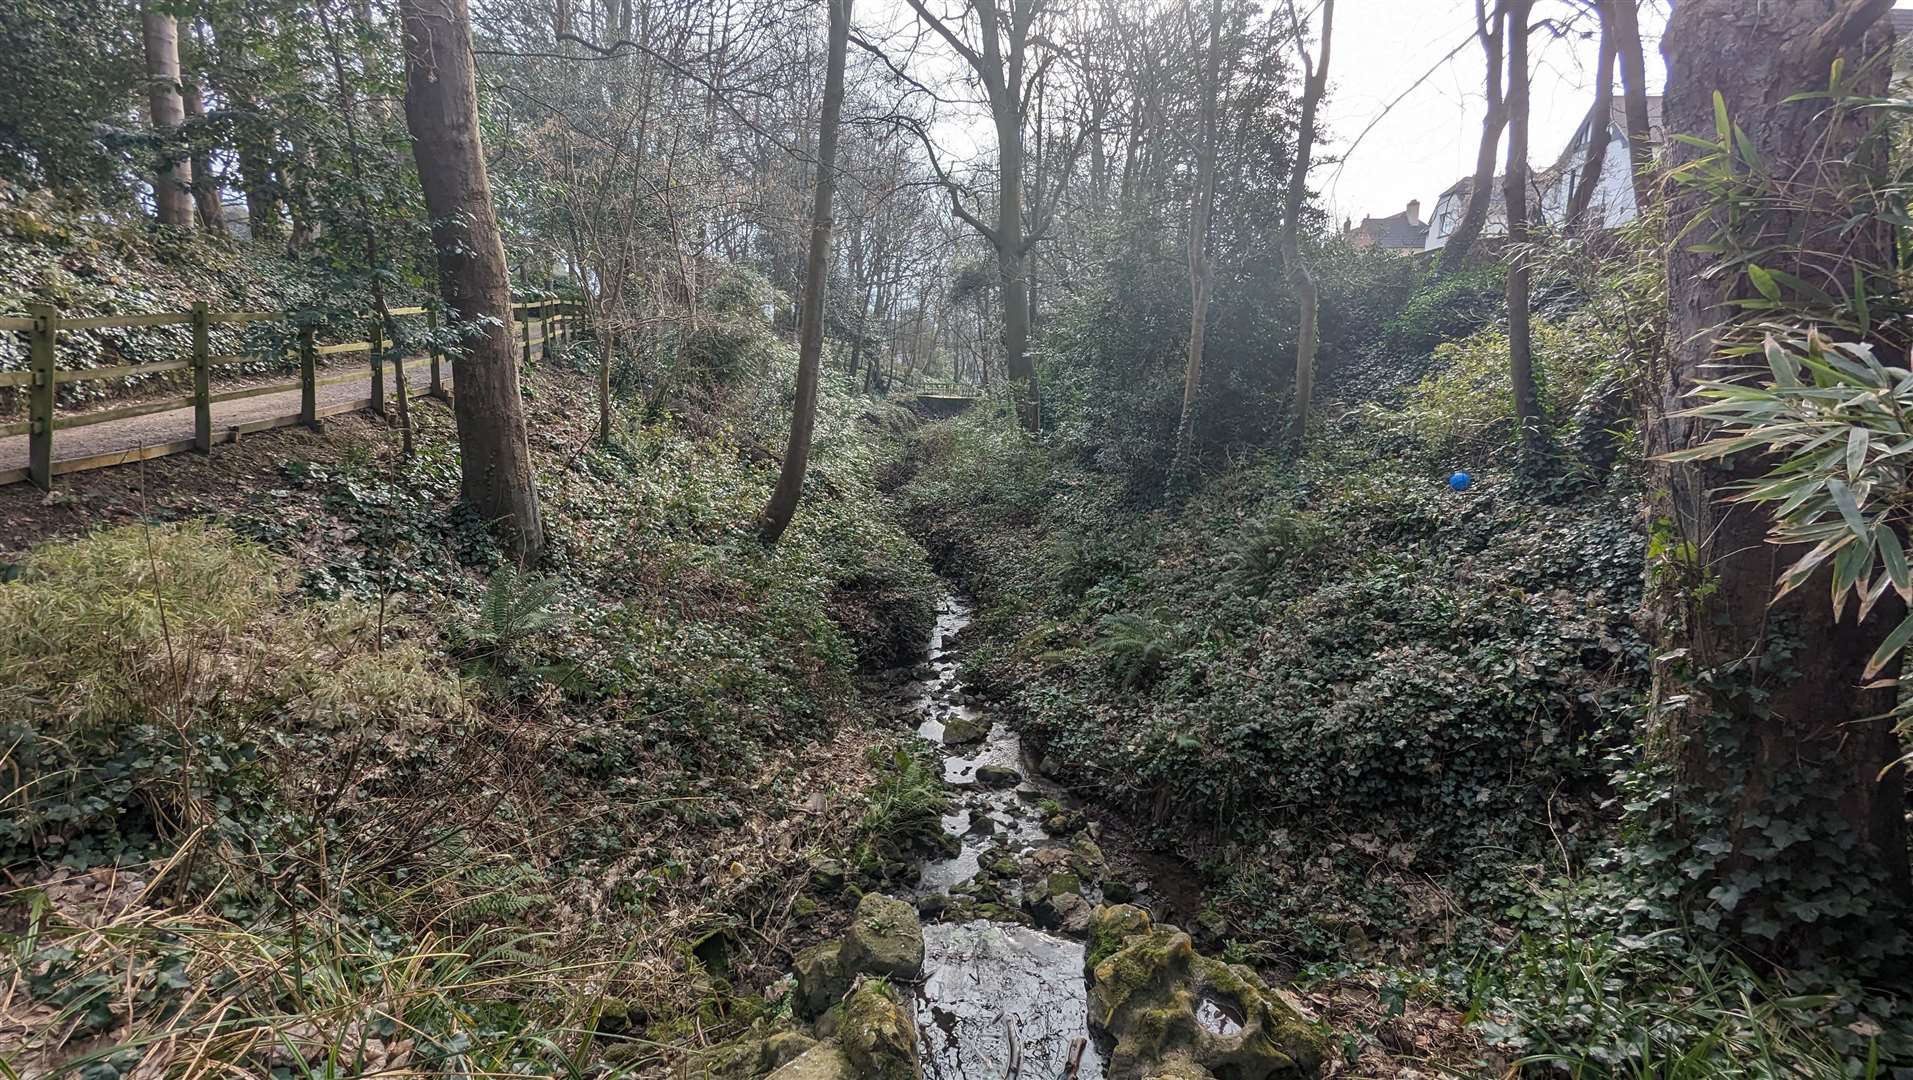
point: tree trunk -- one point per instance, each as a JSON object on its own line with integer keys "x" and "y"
{"x": 810, "y": 350}
{"x": 441, "y": 110}
{"x": 1514, "y": 191}
{"x": 1774, "y": 722}
{"x": 172, "y": 182}
{"x": 1492, "y": 28}
{"x": 1301, "y": 276}
{"x": 1012, "y": 262}
{"x": 1581, "y": 197}
{"x": 1202, "y": 267}
{"x": 212, "y": 210}
{"x": 1622, "y": 19}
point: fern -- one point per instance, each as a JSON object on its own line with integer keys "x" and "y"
{"x": 1136, "y": 647}
{"x": 515, "y": 606}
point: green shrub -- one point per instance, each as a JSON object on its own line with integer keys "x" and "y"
{"x": 1468, "y": 400}
{"x": 1448, "y": 307}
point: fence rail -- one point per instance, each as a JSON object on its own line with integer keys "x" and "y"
{"x": 555, "y": 322}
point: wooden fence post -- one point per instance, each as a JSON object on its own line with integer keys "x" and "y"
{"x": 431, "y": 329}
{"x": 46, "y": 328}
{"x": 308, "y": 380}
{"x": 377, "y": 341}
{"x": 202, "y": 378}
{"x": 526, "y": 327}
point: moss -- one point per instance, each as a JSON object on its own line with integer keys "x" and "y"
{"x": 1146, "y": 960}
{"x": 1109, "y": 927}
{"x": 878, "y": 1034}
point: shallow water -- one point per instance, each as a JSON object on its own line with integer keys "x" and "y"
{"x": 993, "y": 993}
{"x": 997, "y": 1000}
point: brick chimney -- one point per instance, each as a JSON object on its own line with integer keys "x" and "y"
{"x": 1414, "y": 211}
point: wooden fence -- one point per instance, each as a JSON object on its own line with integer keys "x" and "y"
{"x": 556, "y": 321}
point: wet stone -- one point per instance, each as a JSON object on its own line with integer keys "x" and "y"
{"x": 997, "y": 776}
{"x": 884, "y": 939}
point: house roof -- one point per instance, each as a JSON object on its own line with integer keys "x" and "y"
{"x": 1396, "y": 231}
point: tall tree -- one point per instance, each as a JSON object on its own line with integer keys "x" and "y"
{"x": 1202, "y": 262}
{"x": 810, "y": 350}
{"x": 1301, "y": 275}
{"x": 1491, "y": 30}
{"x": 1775, "y": 722}
{"x": 999, "y": 60}
{"x": 1514, "y": 191}
{"x": 1621, "y": 20}
{"x": 173, "y": 180}
{"x": 1581, "y": 196}
{"x": 206, "y": 188}
{"x": 441, "y": 111}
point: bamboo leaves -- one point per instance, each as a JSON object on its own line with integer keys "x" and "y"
{"x": 1838, "y": 427}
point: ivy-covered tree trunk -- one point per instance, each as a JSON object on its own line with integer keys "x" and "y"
{"x": 441, "y": 110}
{"x": 1782, "y": 756}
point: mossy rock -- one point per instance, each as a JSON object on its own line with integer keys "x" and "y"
{"x": 1110, "y": 927}
{"x": 822, "y": 979}
{"x": 824, "y": 1061}
{"x": 885, "y": 939}
{"x": 748, "y": 1057}
{"x": 998, "y": 776}
{"x": 961, "y": 731}
{"x": 878, "y": 1034}
{"x": 1146, "y": 984}
{"x": 1086, "y": 859}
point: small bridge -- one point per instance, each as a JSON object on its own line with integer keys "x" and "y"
{"x": 940, "y": 402}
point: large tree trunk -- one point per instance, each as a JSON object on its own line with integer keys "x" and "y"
{"x": 1527, "y": 397}
{"x": 441, "y": 110}
{"x": 172, "y": 182}
{"x": 1301, "y": 275}
{"x": 1621, "y": 19}
{"x": 810, "y": 348}
{"x": 1491, "y": 29}
{"x": 1773, "y": 723}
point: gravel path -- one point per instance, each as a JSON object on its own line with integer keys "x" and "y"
{"x": 158, "y": 429}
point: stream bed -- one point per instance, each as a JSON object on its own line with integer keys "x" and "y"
{"x": 997, "y": 999}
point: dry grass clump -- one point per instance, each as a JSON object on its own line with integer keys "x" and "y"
{"x": 99, "y": 631}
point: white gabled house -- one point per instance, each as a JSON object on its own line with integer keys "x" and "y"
{"x": 1551, "y": 189}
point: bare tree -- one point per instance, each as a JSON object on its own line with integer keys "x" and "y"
{"x": 1000, "y": 59}
{"x": 1620, "y": 19}
{"x": 1491, "y": 29}
{"x": 441, "y": 111}
{"x": 1581, "y": 196}
{"x": 790, "y": 479}
{"x": 1301, "y": 276}
{"x": 1527, "y": 398}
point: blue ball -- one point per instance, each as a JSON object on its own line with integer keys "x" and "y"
{"x": 1460, "y": 481}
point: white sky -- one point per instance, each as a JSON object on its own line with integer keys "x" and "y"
{"x": 1428, "y": 140}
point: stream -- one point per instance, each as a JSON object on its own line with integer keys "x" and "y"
{"x": 997, "y": 999}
